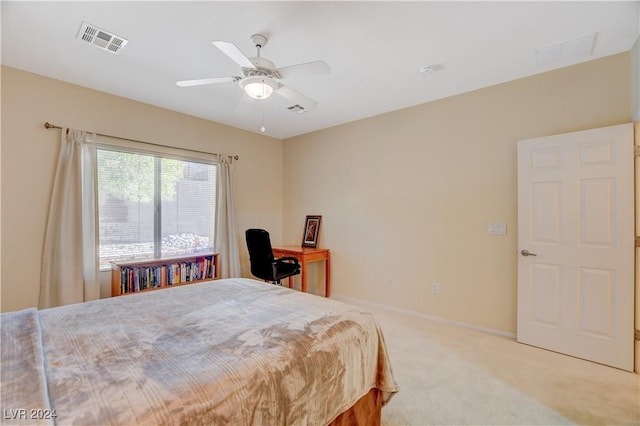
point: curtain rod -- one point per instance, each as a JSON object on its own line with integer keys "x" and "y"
{"x": 48, "y": 125}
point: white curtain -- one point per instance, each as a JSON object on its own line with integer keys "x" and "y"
{"x": 226, "y": 236}
{"x": 69, "y": 271}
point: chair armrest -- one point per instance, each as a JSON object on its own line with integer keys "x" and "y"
{"x": 281, "y": 260}
{"x": 287, "y": 259}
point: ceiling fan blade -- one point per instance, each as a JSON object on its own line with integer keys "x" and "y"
{"x": 203, "y": 81}
{"x": 232, "y": 51}
{"x": 299, "y": 102}
{"x": 309, "y": 68}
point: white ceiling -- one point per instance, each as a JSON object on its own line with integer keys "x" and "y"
{"x": 375, "y": 50}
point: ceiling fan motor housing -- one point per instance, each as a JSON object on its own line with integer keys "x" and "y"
{"x": 263, "y": 67}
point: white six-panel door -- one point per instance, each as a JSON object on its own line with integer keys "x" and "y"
{"x": 576, "y": 221}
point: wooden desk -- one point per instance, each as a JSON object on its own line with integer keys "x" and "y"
{"x": 304, "y": 256}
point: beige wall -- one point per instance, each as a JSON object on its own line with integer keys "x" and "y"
{"x": 29, "y": 154}
{"x": 407, "y": 196}
{"x": 635, "y": 80}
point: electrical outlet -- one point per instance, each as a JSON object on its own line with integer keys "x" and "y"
{"x": 435, "y": 288}
{"x": 390, "y": 282}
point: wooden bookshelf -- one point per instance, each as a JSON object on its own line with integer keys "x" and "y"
{"x": 137, "y": 276}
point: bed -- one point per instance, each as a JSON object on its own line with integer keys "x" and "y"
{"x": 232, "y": 351}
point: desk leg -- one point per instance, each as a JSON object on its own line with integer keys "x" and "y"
{"x": 327, "y": 277}
{"x": 304, "y": 277}
{"x": 290, "y": 281}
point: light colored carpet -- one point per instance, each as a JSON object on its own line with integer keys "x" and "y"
{"x": 449, "y": 374}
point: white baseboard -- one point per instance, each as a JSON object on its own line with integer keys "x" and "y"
{"x": 424, "y": 316}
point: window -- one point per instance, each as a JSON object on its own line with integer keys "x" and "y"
{"x": 152, "y": 205}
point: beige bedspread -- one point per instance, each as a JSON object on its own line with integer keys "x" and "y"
{"x": 233, "y": 351}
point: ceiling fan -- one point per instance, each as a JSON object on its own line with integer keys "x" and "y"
{"x": 260, "y": 75}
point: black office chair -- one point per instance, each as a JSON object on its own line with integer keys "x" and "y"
{"x": 263, "y": 264}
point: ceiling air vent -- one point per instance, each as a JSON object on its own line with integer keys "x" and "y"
{"x": 566, "y": 53}
{"x": 101, "y": 38}
{"x": 297, "y": 108}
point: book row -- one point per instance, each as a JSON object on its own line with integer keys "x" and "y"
{"x": 139, "y": 278}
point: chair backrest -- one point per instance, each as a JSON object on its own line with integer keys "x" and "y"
{"x": 260, "y": 253}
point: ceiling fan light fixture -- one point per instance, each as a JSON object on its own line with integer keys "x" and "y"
{"x": 258, "y": 87}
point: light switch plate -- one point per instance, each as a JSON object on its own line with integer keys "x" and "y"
{"x": 497, "y": 229}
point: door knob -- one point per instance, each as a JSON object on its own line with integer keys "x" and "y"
{"x": 527, "y": 253}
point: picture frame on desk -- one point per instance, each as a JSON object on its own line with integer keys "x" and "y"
{"x": 311, "y": 231}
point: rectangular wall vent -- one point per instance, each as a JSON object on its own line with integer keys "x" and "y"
{"x": 101, "y": 38}
{"x": 565, "y": 53}
{"x": 297, "y": 108}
